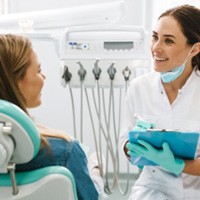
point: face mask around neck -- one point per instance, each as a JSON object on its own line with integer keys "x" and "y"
{"x": 171, "y": 75}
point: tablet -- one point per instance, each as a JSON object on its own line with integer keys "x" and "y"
{"x": 182, "y": 143}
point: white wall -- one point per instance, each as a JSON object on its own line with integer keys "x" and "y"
{"x": 161, "y": 6}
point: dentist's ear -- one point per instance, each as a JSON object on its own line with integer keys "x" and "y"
{"x": 196, "y": 49}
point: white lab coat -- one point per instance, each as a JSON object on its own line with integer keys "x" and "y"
{"x": 146, "y": 97}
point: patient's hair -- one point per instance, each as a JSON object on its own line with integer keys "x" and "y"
{"x": 189, "y": 18}
{"x": 14, "y": 61}
{"x": 15, "y": 53}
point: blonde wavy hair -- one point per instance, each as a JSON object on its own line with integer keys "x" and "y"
{"x": 15, "y": 53}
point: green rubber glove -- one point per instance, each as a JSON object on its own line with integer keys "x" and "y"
{"x": 163, "y": 157}
{"x": 141, "y": 125}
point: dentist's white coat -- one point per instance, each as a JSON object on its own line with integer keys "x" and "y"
{"x": 147, "y": 98}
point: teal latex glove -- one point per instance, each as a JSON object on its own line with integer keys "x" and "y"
{"x": 163, "y": 157}
{"x": 141, "y": 125}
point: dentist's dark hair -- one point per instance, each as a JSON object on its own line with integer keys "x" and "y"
{"x": 189, "y": 18}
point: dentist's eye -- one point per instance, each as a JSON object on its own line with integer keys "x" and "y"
{"x": 154, "y": 37}
{"x": 169, "y": 41}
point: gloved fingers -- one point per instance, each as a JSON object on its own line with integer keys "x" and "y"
{"x": 147, "y": 145}
{"x": 143, "y": 124}
{"x": 140, "y": 166}
{"x": 132, "y": 153}
{"x": 139, "y": 150}
{"x": 130, "y": 145}
{"x": 166, "y": 147}
{"x": 135, "y": 147}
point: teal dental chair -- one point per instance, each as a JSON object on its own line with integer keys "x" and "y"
{"x": 19, "y": 143}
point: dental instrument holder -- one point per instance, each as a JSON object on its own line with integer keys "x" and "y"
{"x": 96, "y": 70}
{"x": 66, "y": 74}
{"x": 111, "y": 55}
{"x": 112, "y": 71}
{"x": 81, "y": 72}
{"x": 124, "y": 45}
{"x": 126, "y": 73}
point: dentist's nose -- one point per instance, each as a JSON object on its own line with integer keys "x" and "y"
{"x": 156, "y": 47}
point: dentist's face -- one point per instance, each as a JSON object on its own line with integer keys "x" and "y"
{"x": 169, "y": 46}
{"x": 32, "y": 83}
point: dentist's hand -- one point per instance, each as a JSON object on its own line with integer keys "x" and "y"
{"x": 163, "y": 157}
{"x": 139, "y": 126}
{"x": 143, "y": 125}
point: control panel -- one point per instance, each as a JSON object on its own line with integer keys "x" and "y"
{"x": 104, "y": 42}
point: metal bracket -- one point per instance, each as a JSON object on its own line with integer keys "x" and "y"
{"x": 11, "y": 169}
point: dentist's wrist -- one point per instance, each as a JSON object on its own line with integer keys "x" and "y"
{"x": 126, "y": 150}
{"x": 177, "y": 167}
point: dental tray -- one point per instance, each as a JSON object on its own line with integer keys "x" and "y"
{"x": 182, "y": 143}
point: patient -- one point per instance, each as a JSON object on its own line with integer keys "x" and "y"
{"x": 21, "y": 82}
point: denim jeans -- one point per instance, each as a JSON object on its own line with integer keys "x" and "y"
{"x": 69, "y": 155}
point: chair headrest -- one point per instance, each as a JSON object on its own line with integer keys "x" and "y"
{"x": 24, "y": 132}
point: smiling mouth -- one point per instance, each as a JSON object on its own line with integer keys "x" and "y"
{"x": 160, "y": 59}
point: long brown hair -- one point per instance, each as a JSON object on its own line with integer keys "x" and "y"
{"x": 15, "y": 53}
{"x": 189, "y": 18}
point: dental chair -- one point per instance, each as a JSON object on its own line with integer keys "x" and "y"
{"x": 19, "y": 143}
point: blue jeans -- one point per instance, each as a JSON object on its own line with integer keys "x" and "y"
{"x": 69, "y": 155}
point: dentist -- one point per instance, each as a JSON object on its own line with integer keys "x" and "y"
{"x": 168, "y": 97}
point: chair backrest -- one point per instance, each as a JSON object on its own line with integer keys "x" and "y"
{"x": 19, "y": 143}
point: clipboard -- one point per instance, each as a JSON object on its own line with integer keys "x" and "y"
{"x": 182, "y": 143}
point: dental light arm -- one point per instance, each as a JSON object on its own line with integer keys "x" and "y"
{"x": 109, "y": 12}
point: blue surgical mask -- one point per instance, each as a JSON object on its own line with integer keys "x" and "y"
{"x": 171, "y": 75}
